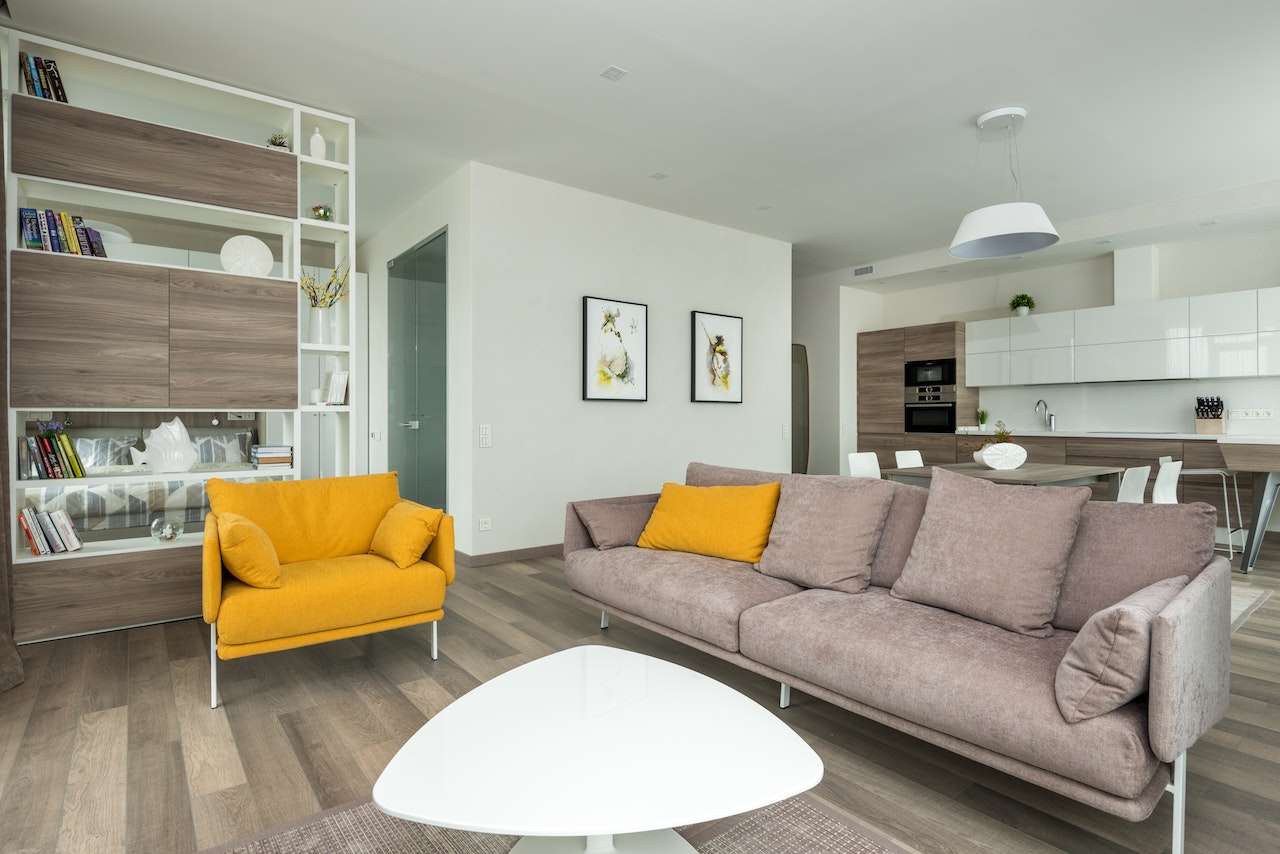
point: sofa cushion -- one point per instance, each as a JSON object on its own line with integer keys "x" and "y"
{"x": 321, "y": 595}
{"x": 731, "y": 522}
{"x": 614, "y": 524}
{"x": 1107, "y": 664}
{"x": 825, "y": 532}
{"x": 311, "y": 519}
{"x": 694, "y": 594}
{"x": 968, "y": 679}
{"x": 900, "y": 528}
{"x": 405, "y": 532}
{"x": 1121, "y": 548}
{"x": 247, "y": 552}
{"x": 993, "y": 552}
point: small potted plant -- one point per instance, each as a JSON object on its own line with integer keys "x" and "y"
{"x": 1022, "y": 304}
{"x": 278, "y": 140}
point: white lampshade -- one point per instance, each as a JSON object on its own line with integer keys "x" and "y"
{"x": 997, "y": 231}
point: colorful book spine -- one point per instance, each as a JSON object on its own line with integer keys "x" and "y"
{"x": 53, "y": 231}
{"x": 55, "y": 80}
{"x": 30, "y": 228}
{"x": 50, "y": 532}
{"x": 67, "y": 530}
{"x": 24, "y": 64}
{"x": 35, "y": 77}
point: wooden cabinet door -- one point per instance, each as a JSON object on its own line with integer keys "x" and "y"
{"x": 88, "y": 333}
{"x": 880, "y": 376}
{"x": 933, "y": 341}
{"x": 233, "y": 342}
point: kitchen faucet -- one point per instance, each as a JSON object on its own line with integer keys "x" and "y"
{"x": 1049, "y": 420}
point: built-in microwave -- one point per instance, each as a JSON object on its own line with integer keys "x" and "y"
{"x": 931, "y": 372}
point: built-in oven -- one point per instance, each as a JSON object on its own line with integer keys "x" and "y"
{"x": 931, "y": 372}
{"x": 930, "y": 409}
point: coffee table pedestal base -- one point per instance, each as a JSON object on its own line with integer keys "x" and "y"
{"x": 649, "y": 842}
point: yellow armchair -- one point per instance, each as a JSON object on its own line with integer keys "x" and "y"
{"x": 298, "y": 562}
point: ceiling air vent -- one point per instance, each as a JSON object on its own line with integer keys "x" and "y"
{"x": 865, "y": 270}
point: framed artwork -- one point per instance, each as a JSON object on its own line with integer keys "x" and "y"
{"x": 716, "y": 359}
{"x": 615, "y": 350}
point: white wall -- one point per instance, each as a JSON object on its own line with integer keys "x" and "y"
{"x": 522, "y": 254}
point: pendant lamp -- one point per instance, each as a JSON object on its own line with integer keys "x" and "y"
{"x": 1011, "y": 228}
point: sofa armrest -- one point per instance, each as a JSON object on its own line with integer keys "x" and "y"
{"x": 576, "y": 535}
{"x": 1191, "y": 662}
{"x": 440, "y": 551}
{"x": 211, "y": 569}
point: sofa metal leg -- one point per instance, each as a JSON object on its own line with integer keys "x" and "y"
{"x": 784, "y": 696}
{"x": 435, "y": 640}
{"x": 213, "y": 665}
{"x": 1179, "y": 789}
{"x": 604, "y": 620}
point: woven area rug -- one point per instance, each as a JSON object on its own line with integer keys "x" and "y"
{"x": 1245, "y": 599}
{"x": 799, "y": 825}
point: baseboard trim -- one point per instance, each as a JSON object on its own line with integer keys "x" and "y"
{"x": 554, "y": 550}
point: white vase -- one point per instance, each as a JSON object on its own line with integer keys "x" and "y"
{"x": 321, "y": 325}
{"x": 1023, "y": 311}
{"x": 317, "y": 145}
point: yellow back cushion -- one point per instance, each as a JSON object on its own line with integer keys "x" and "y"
{"x": 731, "y": 522}
{"x": 311, "y": 519}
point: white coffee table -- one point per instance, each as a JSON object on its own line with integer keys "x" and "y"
{"x": 595, "y": 749}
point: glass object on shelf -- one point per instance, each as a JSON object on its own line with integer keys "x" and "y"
{"x": 166, "y": 529}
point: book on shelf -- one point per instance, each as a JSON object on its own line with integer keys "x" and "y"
{"x": 50, "y": 532}
{"x": 66, "y": 530}
{"x": 335, "y": 383}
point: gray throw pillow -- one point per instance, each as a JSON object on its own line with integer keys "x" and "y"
{"x": 614, "y": 525}
{"x": 1108, "y": 663}
{"x": 826, "y": 532}
{"x": 993, "y": 552}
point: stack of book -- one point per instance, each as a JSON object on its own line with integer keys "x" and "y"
{"x": 59, "y": 231}
{"x": 49, "y": 532}
{"x": 46, "y": 457}
{"x": 41, "y": 77}
{"x": 271, "y": 456}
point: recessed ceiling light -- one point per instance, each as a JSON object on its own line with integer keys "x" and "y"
{"x": 658, "y": 176}
{"x": 613, "y": 73}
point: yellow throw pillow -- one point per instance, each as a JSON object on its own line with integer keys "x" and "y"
{"x": 405, "y": 532}
{"x": 731, "y": 522}
{"x": 247, "y": 552}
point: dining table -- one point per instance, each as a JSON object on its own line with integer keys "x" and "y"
{"x": 1027, "y": 474}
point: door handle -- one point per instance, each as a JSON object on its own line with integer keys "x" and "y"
{"x": 412, "y": 425}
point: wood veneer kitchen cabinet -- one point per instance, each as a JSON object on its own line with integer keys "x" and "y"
{"x": 232, "y": 341}
{"x": 88, "y": 333}
{"x": 880, "y": 381}
{"x": 56, "y": 140}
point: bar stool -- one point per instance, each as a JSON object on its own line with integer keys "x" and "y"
{"x": 1226, "y": 502}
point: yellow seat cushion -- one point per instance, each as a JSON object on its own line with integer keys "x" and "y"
{"x": 311, "y": 519}
{"x": 320, "y": 595}
{"x": 405, "y": 532}
{"x": 731, "y": 522}
{"x": 247, "y": 552}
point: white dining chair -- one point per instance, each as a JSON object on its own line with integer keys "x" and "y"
{"x": 864, "y": 464}
{"x": 1226, "y": 503}
{"x": 1133, "y": 485}
{"x": 1165, "y": 490}
{"x": 908, "y": 459}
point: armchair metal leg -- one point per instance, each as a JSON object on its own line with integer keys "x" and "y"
{"x": 435, "y": 640}
{"x": 213, "y": 665}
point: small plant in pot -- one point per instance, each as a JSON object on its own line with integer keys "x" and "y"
{"x": 1022, "y": 304}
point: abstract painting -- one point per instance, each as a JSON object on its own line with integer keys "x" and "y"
{"x": 615, "y": 344}
{"x": 716, "y": 358}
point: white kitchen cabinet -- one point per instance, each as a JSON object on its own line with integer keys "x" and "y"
{"x": 1224, "y": 355}
{"x": 1042, "y": 331}
{"x": 1041, "y": 367}
{"x": 1167, "y": 359}
{"x": 1223, "y": 314}
{"x": 986, "y": 369}
{"x": 1269, "y": 310}
{"x": 986, "y": 336}
{"x": 1146, "y": 321}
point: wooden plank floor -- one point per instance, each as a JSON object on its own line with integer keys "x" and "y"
{"x": 110, "y": 744}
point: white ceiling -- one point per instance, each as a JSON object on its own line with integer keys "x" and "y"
{"x": 852, "y": 120}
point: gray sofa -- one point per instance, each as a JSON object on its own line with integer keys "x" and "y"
{"x": 928, "y": 620}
